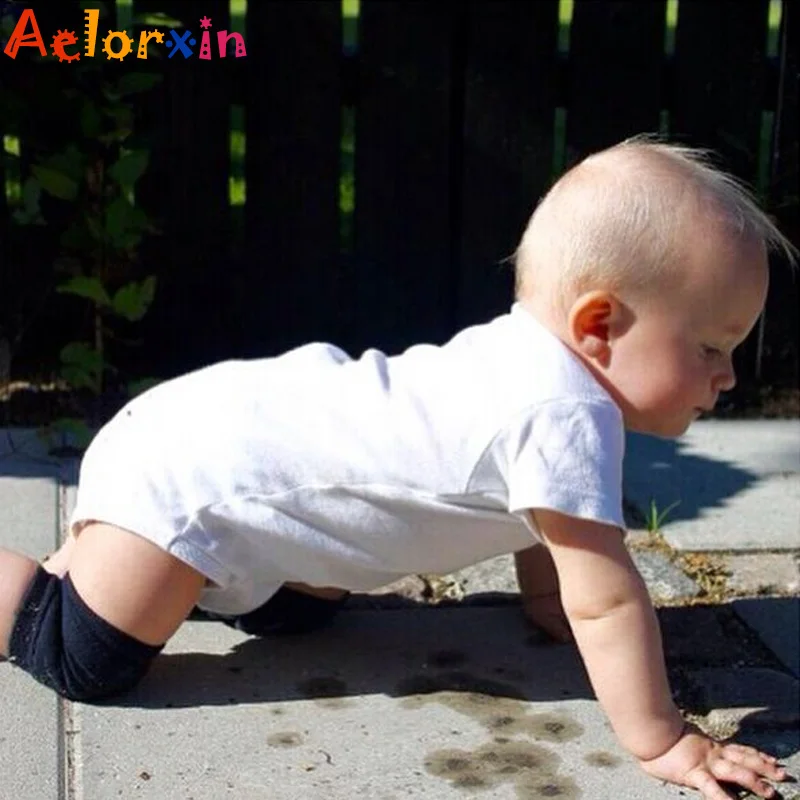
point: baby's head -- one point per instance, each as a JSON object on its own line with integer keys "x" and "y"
{"x": 651, "y": 265}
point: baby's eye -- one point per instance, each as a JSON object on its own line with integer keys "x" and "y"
{"x": 711, "y": 352}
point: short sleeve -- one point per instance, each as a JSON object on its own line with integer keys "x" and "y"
{"x": 567, "y": 456}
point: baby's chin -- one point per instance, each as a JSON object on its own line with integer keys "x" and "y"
{"x": 662, "y": 429}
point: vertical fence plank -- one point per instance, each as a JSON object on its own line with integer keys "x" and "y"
{"x": 17, "y": 283}
{"x": 287, "y": 285}
{"x": 404, "y": 167}
{"x": 6, "y": 297}
{"x": 784, "y": 178}
{"x": 5, "y": 214}
{"x": 510, "y": 97}
{"x": 718, "y": 78}
{"x": 186, "y": 120}
{"x": 718, "y": 75}
{"x": 5, "y": 211}
{"x": 781, "y": 364}
{"x": 615, "y": 72}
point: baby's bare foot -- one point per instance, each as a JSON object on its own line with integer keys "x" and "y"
{"x": 58, "y": 563}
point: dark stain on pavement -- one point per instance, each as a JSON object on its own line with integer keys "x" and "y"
{"x": 548, "y": 727}
{"x": 285, "y": 739}
{"x": 531, "y": 768}
{"x": 603, "y": 760}
{"x": 457, "y": 681}
{"x": 533, "y": 788}
{"x": 501, "y": 707}
{"x": 503, "y": 710}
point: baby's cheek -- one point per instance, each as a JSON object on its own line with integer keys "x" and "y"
{"x": 674, "y": 385}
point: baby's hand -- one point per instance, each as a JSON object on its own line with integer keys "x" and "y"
{"x": 700, "y": 763}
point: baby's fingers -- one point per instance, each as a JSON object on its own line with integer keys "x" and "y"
{"x": 707, "y": 786}
{"x": 727, "y": 770}
{"x": 755, "y": 760}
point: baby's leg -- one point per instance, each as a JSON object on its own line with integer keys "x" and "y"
{"x": 132, "y": 583}
{"x": 295, "y": 608}
{"x": 16, "y": 574}
{"x": 540, "y": 593}
{"x": 95, "y": 631}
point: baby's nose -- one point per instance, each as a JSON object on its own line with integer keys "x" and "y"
{"x": 726, "y": 380}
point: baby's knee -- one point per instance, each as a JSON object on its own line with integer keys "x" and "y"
{"x": 63, "y": 644}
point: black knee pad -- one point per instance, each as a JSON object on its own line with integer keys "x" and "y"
{"x": 62, "y": 643}
{"x": 288, "y": 612}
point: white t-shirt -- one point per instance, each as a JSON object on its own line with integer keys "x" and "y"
{"x": 332, "y": 471}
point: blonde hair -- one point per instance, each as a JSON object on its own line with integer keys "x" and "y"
{"x": 615, "y": 220}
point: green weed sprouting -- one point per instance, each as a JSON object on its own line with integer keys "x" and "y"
{"x": 654, "y": 518}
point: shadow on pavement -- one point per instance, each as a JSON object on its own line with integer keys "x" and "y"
{"x": 657, "y": 469}
{"x": 23, "y": 454}
{"x": 474, "y": 651}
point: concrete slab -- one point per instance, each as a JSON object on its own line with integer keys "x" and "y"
{"x": 495, "y": 579}
{"x": 385, "y": 705}
{"x": 776, "y": 620}
{"x": 30, "y": 749}
{"x": 28, "y": 510}
{"x": 496, "y": 575}
{"x": 748, "y": 699}
{"x": 736, "y": 482}
{"x": 494, "y": 582}
{"x": 664, "y": 580}
{"x": 763, "y": 573}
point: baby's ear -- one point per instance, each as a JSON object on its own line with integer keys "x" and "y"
{"x": 594, "y": 347}
{"x": 590, "y": 323}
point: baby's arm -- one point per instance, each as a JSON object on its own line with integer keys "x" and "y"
{"x": 539, "y": 591}
{"x": 616, "y": 630}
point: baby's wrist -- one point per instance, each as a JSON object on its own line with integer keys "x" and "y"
{"x": 681, "y": 727}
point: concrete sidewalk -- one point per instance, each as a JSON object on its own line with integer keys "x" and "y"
{"x": 399, "y": 699}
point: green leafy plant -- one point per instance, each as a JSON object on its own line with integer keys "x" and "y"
{"x": 83, "y": 365}
{"x": 91, "y": 165}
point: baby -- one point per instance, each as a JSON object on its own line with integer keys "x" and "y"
{"x": 263, "y": 491}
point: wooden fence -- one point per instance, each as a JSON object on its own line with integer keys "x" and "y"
{"x": 456, "y": 136}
